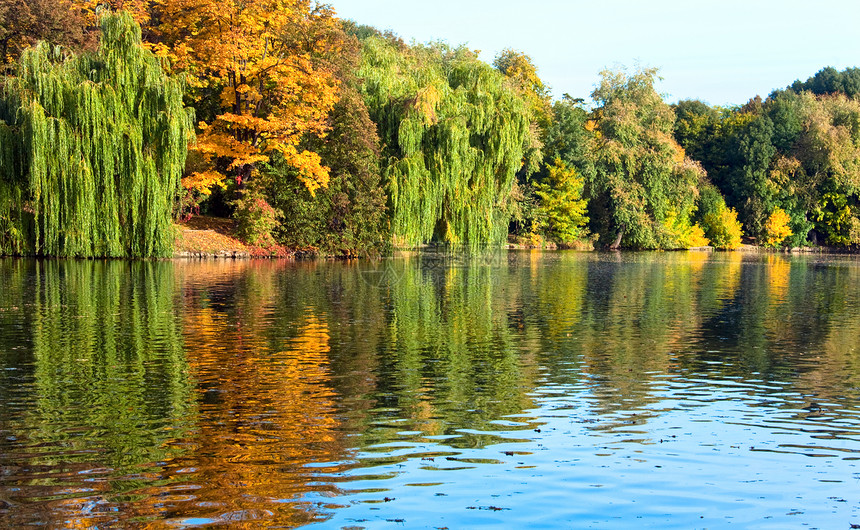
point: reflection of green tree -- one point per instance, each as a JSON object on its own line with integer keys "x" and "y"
{"x": 782, "y": 309}
{"x": 451, "y": 356}
{"x": 640, "y": 310}
{"x": 110, "y": 370}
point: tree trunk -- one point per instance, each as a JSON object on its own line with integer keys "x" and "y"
{"x": 617, "y": 244}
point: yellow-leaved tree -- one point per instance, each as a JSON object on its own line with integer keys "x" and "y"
{"x": 251, "y": 68}
{"x": 253, "y": 61}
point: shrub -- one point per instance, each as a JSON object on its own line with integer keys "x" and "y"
{"x": 776, "y": 228}
{"x": 256, "y": 218}
{"x": 720, "y": 223}
{"x": 723, "y": 228}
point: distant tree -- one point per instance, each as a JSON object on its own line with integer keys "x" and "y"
{"x": 23, "y": 23}
{"x": 830, "y": 81}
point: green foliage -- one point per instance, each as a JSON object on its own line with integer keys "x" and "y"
{"x": 785, "y": 153}
{"x": 93, "y": 148}
{"x": 837, "y": 220}
{"x": 720, "y": 223}
{"x": 561, "y": 210}
{"x": 567, "y": 136}
{"x": 830, "y": 81}
{"x": 643, "y": 189}
{"x": 454, "y": 132}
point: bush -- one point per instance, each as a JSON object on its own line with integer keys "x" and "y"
{"x": 720, "y": 223}
{"x": 680, "y": 232}
{"x": 723, "y": 228}
{"x": 256, "y": 218}
{"x": 776, "y": 228}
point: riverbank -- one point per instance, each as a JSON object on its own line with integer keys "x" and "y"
{"x": 203, "y": 237}
{"x": 209, "y": 237}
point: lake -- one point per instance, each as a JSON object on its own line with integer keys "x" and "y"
{"x": 508, "y": 389}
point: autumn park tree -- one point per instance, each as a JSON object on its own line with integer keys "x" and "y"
{"x": 257, "y": 88}
{"x": 643, "y": 190}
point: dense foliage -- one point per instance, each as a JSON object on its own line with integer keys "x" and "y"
{"x": 789, "y": 164}
{"x": 91, "y": 150}
{"x": 643, "y": 188}
{"x": 320, "y": 134}
{"x": 455, "y": 133}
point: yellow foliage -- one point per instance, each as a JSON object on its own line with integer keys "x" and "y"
{"x": 204, "y": 181}
{"x": 696, "y": 237}
{"x": 776, "y": 228}
{"x": 139, "y": 9}
{"x": 725, "y": 229}
{"x": 257, "y": 56}
{"x": 683, "y": 233}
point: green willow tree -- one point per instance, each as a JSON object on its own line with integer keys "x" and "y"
{"x": 454, "y": 131}
{"x": 92, "y": 148}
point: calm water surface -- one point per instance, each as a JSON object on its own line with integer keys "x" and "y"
{"x": 548, "y": 390}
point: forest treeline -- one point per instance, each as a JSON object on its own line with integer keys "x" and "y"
{"x": 118, "y": 117}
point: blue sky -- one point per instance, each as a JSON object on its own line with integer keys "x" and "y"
{"x": 722, "y": 52}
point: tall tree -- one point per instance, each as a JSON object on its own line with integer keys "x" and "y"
{"x": 349, "y": 216}
{"x": 91, "y": 150}
{"x": 455, "y": 134}
{"x": 250, "y": 72}
{"x": 643, "y": 190}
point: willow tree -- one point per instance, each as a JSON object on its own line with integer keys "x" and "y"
{"x": 455, "y": 131}
{"x": 92, "y": 150}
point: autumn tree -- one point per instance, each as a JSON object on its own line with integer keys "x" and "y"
{"x": 349, "y": 216}
{"x": 791, "y": 155}
{"x": 521, "y": 71}
{"x": 643, "y": 190}
{"x": 23, "y": 23}
{"x": 251, "y": 75}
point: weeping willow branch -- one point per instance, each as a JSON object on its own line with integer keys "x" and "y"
{"x": 92, "y": 148}
{"x": 456, "y": 133}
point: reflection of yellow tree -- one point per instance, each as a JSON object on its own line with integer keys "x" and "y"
{"x": 777, "y": 311}
{"x": 562, "y": 288}
{"x": 718, "y": 283}
{"x": 730, "y": 275}
{"x": 266, "y": 413}
{"x": 778, "y": 272}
